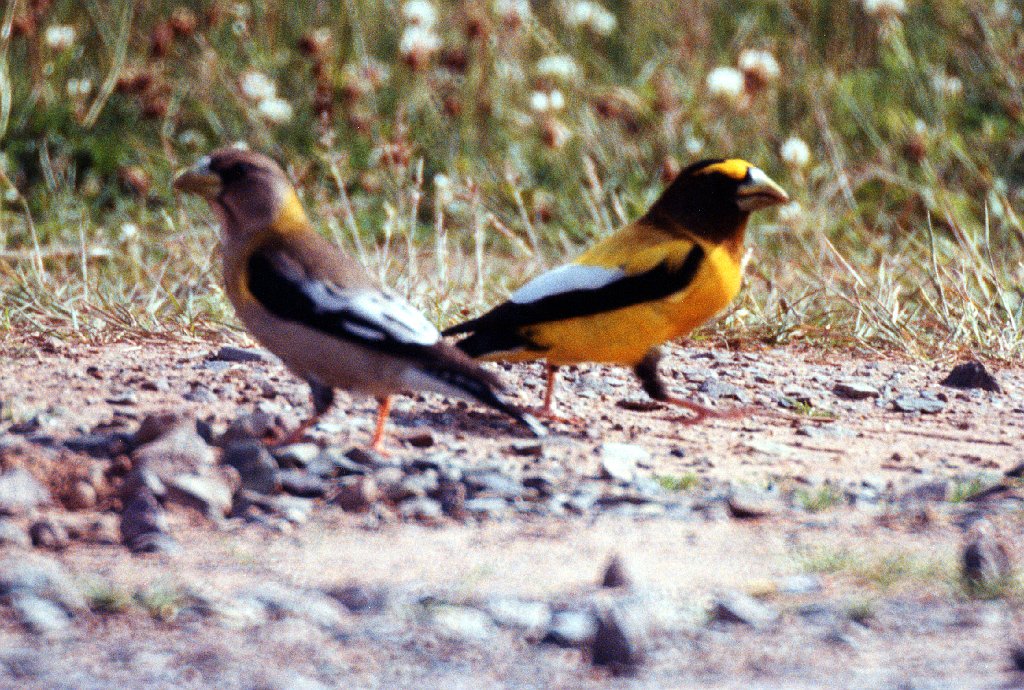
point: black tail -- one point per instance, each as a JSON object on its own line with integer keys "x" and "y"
{"x": 480, "y": 384}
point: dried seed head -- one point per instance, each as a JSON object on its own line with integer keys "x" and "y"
{"x": 315, "y": 43}
{"x": 134, "y": 180}
{"x": 455, "y": 59}
{"x": 183, "y": 22}
{"x": 161, "y": 38}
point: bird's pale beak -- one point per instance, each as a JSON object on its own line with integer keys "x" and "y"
{"x": 199, "y": 179}
{"x": 759, "y": 191}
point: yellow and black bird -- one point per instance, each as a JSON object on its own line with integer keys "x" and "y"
{"x": 314, "y": 306}
{"x": 654, "y": 280}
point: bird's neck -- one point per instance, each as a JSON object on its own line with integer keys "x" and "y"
{"x": 291, "y": 217}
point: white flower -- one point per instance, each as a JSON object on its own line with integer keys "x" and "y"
{"x": 693, "y": 145}
{"x": 78, "y": 88}
{"x": 947, "y": 85}
{"x": 791, "y": 212}
{"x": 444, "y": 189}
{"x": 420, "y": 13}
{"x": 59, "y": 37}
{"x": 556, "y": 99}
{"x": 128, "y": 231}
{"x": 540, "y": 102}
{"x": 557, "y": 67}
{"x": 759, "y": 64}
{"x": 885, "y": 8}
{"x": 418, "y": 41}
{"x": 275, "y": 110}
{"x": 725, "y": 82}
{"x": 795, "y": 152}
{"x": 512, "y": 11}
{"x": 590, "y": 15}
{"x": 257, "y": 86}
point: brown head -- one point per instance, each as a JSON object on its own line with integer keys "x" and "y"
{"x": 248, "y": 191}
{"x": 713, "y": 199}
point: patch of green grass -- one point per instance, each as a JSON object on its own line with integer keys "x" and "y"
{"x": 678, "y": 482}
{"x": 881, "y": 571}
{"x": 861, "y": 610}
{"x": 105, "y": 597}
{"x": 827, "y": 561}
{"x": 161, "y": 602}
{"x": 807, "y": 410}
{"x": 965, "y": 490}
{"x": 819, "y": 499}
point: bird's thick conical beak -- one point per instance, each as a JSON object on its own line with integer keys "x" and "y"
{"x": 199, "y": 179}
{"x": 759, "y": 191}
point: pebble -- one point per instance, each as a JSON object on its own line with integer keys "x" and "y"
{"x": 420, "y": 508}
{"x": 331, "y": 462}
{"x": 452, "y": 495}
{"x": 144, "y": 525}
{"x": 799, "y": 584}
{"x": 616, "y": 574}
{"x": 986, "y": 562}
{"x": 491, "y": 508}
{"x": 529, "y": 616}
{"x": 297, "y": 454}
{"x": 361, "y": 598}
{"x": 370, "y": 458}
{"x": 357, "y": 493}
{"x": 209, "y": 495}
{"x": 96, "y": 445}
{"x": 619, "y": 460}
{"x": 491, "y": 483}
{"x": 48, "y": 534}
{"x": 736, "y": 607}
{"x": 621, "y": 639}
{"x": 230, "y": 353}
{"x": 972, "y": 374}
{"x": 855, "y": 390}
{"x": 20, "y": 492}
{"x": 249, "y": 427}
{"x": 747, "y": 503}
{"x": 716, "y": 389}
{"x": 127, "y": 397}
{"x": 13, "y": 535}
{"x": 255, "y": 466}
{"x": 302, "y": 484}
{"x": 571, "y": 629}
{"x": 917, "y": 403}
{"x": 40, "y": 576}
{"x": 178, "y": 450}
{"x": 462, "y": 623}
{"x": 311, "y": 605}
{"x": 81, "y": 496}
{"x": 41, "y": 616}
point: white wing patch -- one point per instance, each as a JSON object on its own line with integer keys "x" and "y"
{"x": 566, "y": 278}
{"x": 373, "y": 315}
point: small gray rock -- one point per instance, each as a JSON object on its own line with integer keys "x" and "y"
{"x": 48, "y": 534}
{"x": 125, "y": 397}
{"x": 230, "y": 353}
{"x": 799, "y": 584}
{"x": 452, "y": 495}
{"x": 20, "y": 492}
{"x": 361, "y": 598}
{"x": 736, "y": 607}
{"x": 312, "y": 605}
{"x": 40, "y": 576}
{"x": 297, "y": 454}
{"x": 462, "y": 623}
{"x": 491, "y": 483}
{"x": 717, "y": 389}
{"x": 357, "y": 493}
{"x": 619, "y": 460}
{"x": 986, "y": 562}
{"x": 855, "y": 390}
{"x": 180, "y": 450}
{"x": 917, "y": 403}
{"x": 616, "y": 573}
{"x": 489, "y": 508}
{"x": 41, "y": 616}
{"x": 420, "y": 508}
{"x": 747, "y": 503}
{"x": 302, "y": 484}
{"x": 571, "y": 629}
{"x": 972, "y": 374}
{"x": 13, "y": 535}
{"x": 255, "y": 466}
{"x": 529, "y": 616}
{"x": 370, "y": 458}
{"x": 209, "y": 495}
{"x": 143, "y": 523}
{"x": 96, "y": 445}
{"x": 621, "y": 639}
{"x": 249, "y": 427}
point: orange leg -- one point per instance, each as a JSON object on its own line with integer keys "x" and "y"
{"x": 296, "y": 435}
{"x": 383, "y": 411}
{"x": 547, "y": 411}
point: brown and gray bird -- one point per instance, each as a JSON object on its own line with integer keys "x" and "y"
{"x": 315, "y": 307}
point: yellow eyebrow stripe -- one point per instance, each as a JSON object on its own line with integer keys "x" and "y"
{"x": 735, "y": 168}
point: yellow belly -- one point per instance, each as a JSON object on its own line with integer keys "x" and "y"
{"x": 624, "y": 336}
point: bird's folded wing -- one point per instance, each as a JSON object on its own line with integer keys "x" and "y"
{"x": 369, "y": 317}
{"x": 582, "y": 289}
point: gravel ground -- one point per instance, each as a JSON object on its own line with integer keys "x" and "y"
{"x": 855, "y": 529}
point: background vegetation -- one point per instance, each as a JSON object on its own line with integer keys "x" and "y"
{"x": 461, "y": 146}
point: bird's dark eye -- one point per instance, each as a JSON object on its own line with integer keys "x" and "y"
{"x": 232, "y": 173}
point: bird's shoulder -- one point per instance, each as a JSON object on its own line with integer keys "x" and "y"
{"x": 638, "y": 248}
{"x": 314, "y": 257}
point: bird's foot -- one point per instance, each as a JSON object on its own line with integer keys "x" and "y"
{"x": 278, "y": 438}
{"x": 549, "y": 415}
{"x": 700, "y": 413}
